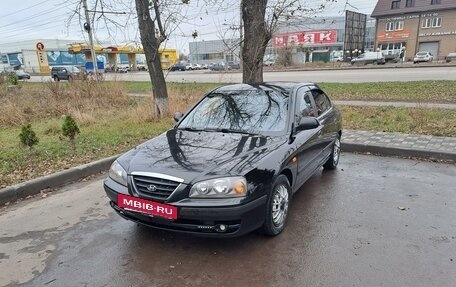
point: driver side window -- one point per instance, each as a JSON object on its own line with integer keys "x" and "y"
{"x": 304, "y": 106}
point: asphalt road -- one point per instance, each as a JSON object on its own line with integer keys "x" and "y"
{"x": 346, "y": 228}
{"x": 356, "y": 75}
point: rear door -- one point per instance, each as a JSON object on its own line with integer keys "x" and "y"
{"x": 327, "y": 117}
{"x": 307, "y": 142}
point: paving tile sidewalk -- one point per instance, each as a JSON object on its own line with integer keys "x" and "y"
{"x": 396, "y": 104}
{"x": 399, "y": 144}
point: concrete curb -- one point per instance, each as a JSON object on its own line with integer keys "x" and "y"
{"x": 34, "y": 186}
{"x": 397, "y": 151}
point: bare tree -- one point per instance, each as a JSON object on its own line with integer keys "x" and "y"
{"x": 156, "y": 19}
{"x": 153, "y": 34}
{"x": 261, "y": 18}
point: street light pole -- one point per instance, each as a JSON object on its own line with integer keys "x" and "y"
{"x": 88, "y": 28}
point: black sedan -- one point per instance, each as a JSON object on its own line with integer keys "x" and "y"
{"x": 177, "y": 67}
{"x": 232, "y": 163}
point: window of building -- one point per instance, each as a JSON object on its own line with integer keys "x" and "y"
{"x": 394, "y": 26}
{"x": 389, "y": 26}
{"x": 410, "y": 3}
{"x": 396, "y": 4}
{"x": 434, "y": 2}
{"x": 426, "y": 23}
{"x": 436, "y": 22}
{"x": 399, "y": 25}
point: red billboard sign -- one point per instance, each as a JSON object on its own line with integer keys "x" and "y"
{"x": 305, "y": 38}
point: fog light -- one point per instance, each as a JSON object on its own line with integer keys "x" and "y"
{"x": 221, "y": 228}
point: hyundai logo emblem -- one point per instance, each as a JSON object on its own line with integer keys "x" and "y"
{"x": 151, "y": 188}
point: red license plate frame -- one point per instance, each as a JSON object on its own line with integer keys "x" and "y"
{"x": 148, "y": 207}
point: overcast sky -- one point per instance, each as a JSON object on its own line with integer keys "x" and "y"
{"x": 51, "y": 19}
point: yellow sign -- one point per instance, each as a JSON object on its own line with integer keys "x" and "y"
{"x": 42, "y": 59}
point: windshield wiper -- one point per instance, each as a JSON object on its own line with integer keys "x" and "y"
{"x": 225, "y": 130}
{"x": 190, "y": 129}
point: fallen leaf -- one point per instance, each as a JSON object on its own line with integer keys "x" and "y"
{"x": 401, "y": 207}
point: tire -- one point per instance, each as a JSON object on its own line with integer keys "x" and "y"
{"x": 333, "y": 159}
{"x": 56, "y": 78}
{"x": 277, "y": 207}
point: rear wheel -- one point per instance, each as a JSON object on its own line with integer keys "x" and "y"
{"x": 56, "y": 78}
{"x": 277, "y": 208}
{"x": 333, "y": 159}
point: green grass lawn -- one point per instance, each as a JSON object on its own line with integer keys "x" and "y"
{"x": 110, "y": 136}
{"x": 420, "y": 91}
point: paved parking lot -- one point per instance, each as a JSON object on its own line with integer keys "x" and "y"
{"x": 373, "y": 222}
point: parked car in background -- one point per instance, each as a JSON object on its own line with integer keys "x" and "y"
{"x": 196, "y": 67}
{"x": 337, "y": 59}
{"x": 393, "y": 58}
{"x": 178, "y": 67}
{"x": 231, "y": 164}
{"x": 233, "y": 65}
{"x": 423, "y": 56}
{"x": 269, "y": 60}
{"x": 450, "y": 57}
{"x": 142, "y": 67}
{"x": 188, "y": 67}
{"x": 68, "y": 73}
{"x": 122, "y": 69}
{"x": 22, "y": 75}
{"x": 218, "y": 66}
{"x": 369, "y": 58}
{"x": 204, "y": 66}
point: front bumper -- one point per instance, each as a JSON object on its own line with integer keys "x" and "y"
{"x": 228, "y": 221}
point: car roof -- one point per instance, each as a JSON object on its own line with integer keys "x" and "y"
{"x": 277, "y": 86}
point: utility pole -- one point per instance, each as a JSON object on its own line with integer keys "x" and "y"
{"x": 88, "y": 28}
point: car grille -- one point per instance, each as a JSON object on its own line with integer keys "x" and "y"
{"x": 154, "y": 187}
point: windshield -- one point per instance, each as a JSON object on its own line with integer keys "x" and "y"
{"x": 249, "y": 111}
{"x": 422, "y": 53}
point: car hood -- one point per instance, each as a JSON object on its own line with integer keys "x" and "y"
{"x": 194, "y": 156}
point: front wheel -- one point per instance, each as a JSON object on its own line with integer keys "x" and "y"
{"x": 277, "y": 208}
{"x": 333, "y": 159}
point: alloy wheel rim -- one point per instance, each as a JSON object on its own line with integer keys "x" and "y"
{"x": 279, "y": 205}
{"x": 336, "y": 150}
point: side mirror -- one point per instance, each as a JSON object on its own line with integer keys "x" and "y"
{"x": 307, "y": 123}
{"x": 177, "y": 116}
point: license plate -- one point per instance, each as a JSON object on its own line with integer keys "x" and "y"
{"x": 147, "y": 206}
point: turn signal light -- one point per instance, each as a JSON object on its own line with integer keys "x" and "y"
{"x": 239, "y": 187}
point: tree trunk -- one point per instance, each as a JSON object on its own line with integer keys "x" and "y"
{"x": 151, "y": 47}
{"x": 256, "y": 37}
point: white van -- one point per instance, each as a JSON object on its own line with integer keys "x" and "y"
{"x": 369, "y": 58}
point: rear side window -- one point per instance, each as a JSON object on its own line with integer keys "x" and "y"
{"x": 321, "y": 101}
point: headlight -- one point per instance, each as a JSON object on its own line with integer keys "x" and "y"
{"x": 220, "y": 188}
{"x": 118, "y": 173}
